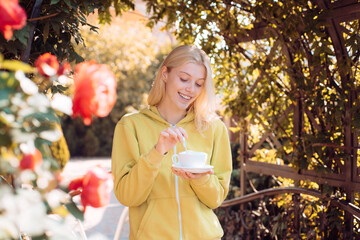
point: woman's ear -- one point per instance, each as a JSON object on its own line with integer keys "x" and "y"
{"x": 164, "y": 73}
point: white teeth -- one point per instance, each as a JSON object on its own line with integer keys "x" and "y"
{"x": 184, "y": 96}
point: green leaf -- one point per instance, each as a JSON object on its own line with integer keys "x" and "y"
{"x": 4, "y": 98}
{"x": 11, "y": 48}
{"x": 56, "y": 26}
{"x": 75, "y": 211}
{"x": 5, "y": 140}
{"x": 8, "y": 83}
{"x": 54, "y": 2}
{"x": 62, "y": 88}
{"x": 68, "y": 2}
{"x": 41, "y": 237}
{"x": 46, "y": 32}
{"x": 23, "y": 34}
{"x": 82, "y": 17}
{"x": 75, "y": 57}
{"x": 328, "y": 50}
{"x": 14, "y": 65}
{"x": 43, "y": 117}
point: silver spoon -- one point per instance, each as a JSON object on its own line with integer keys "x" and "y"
{"x": 184, "y": 143}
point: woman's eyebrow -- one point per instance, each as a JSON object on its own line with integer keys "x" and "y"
{"x": 190, "y": 75}
{"x": 184, "y": 72}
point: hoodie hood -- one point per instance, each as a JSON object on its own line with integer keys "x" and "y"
{"x": 153, "y": 113}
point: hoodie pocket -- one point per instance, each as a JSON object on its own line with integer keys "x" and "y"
{"x": 200, "y": 222}
{"x": 160, "y": 221}
{"x": 145, "y": 219}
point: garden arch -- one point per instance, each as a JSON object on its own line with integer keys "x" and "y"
{"x": 348, "y": 175}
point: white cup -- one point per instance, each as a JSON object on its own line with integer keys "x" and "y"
{"x": 190, "y": 159}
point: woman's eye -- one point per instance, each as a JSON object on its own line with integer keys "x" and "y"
{"x": 198, "y": 84}
{"x": 183, "y": 80}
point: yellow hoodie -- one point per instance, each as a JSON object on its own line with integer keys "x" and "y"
{"x": 144, "y": 182}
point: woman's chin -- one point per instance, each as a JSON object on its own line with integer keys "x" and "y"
{"x": 183, "y": 107}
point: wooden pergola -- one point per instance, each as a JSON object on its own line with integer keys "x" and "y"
{"x": 349, "y": 178}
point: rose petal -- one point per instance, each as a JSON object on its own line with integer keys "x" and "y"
{"x": 12, "y": 17}
{"x": 62, "y": 103}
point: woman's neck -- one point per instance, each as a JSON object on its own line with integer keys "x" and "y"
{"x": 171, "y": 115}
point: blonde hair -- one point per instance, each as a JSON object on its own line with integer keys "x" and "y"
{"x": 204, "y": 105}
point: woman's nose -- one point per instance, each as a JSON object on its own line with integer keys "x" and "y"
{"x": 190, "y": 87}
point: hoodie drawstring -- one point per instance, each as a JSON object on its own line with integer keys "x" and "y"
{"x": 178, "y": 198}
{"x": 177, "y": 192}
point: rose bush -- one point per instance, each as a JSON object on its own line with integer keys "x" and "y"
{"x": 29, "y": 123}
{"x": 31, "y": 187}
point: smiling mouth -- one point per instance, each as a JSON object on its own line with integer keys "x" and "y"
{"x": 185, "y": 97}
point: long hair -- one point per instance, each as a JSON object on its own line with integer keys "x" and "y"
{"x": 204, "y": 105}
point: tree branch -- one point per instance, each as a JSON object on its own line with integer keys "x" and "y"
{"x": 43, "y": 17}
{"x": 35, "y": 13}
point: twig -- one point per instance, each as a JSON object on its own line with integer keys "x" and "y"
{"x": 43, "y": 17}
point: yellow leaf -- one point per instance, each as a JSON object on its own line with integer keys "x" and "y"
{"x": 61, "y": 210}
{"x": 234, "y": 129}
{"x": 14, "y": 65}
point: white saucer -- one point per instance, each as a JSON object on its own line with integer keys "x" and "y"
{"x": 203, "y": 169}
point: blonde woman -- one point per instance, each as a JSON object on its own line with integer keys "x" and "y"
{"x": 164, "y": 202}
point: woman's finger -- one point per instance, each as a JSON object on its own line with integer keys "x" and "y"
{"x": 199, "y": 175}
{"x": 172, "y": 134}
{"x": 180, "y": 173}
{"x": 183, "y": 132}
{"x": 184, "y": 174}
{"x": 189, "y": 175}
{"x": 164, "y": 134}
{"x": 178, "y": 133}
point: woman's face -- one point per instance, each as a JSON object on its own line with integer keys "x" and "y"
{"x": 183, "y": 84}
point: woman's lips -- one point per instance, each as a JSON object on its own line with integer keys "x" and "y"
{"x": 185, "y": 97}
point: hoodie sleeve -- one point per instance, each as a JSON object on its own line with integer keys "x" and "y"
{"x": 213, "y": 189}
{"x": 134, "y": 174}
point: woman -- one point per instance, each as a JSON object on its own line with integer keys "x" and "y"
{"x": 165, "y": 203}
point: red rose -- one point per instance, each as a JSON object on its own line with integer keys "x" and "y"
{"x": 31, "y": 160}
{"x": 95, "y": 91}
{"x": 96, "y": 187}
{"x": 64, "y": 69}
{"x": 76, "y": 183}
{"x": 47, "y": 64}
{"x": 12, "y": 17}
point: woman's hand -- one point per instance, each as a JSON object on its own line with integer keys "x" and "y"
{"x": 189, "y": 175}
{"x": 168, "y": 139}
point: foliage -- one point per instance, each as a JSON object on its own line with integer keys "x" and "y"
{"x": 26, "y": 114}
{"x": 28, "y": 121}
{"x": 133, "y": 60}
{"x": 31, "y": 101}
{"x": 275, "y": 217}
{"x": 275, "y": 61}
{"x": 52, "y": 24}
{"x": 60, "y": 151}
{"x": 31, "y": 188}
{"x": 266, "y": 219}
{"x": 259, "y": 79}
